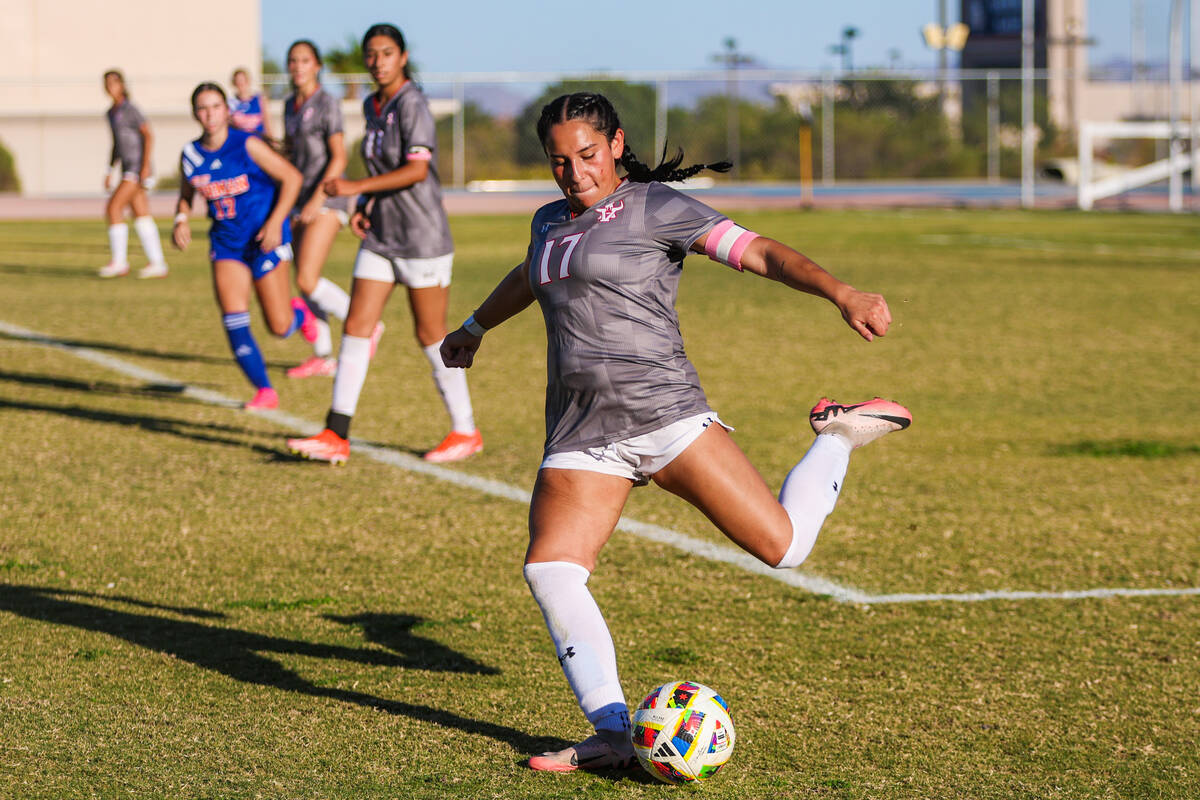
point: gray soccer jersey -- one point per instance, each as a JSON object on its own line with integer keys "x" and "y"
{"x": 126, "y": 123}
{"x": 307, "y": 129}
{"x": 408, "y": 222}
{"x": 607, "y": 282}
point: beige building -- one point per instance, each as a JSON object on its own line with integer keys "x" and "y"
{"x": 55, "y": 52}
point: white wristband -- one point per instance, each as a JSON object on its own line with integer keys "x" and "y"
{"x": 182, "y": 216}
{"x": 474, "y": 328}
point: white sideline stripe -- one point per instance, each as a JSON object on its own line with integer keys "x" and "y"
{"x": 654, "y": 533}
{"x": 1077, "y": 594}
{"x": 709, "y": 550}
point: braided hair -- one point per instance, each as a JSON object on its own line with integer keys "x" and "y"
{"x": 597, "y": 111}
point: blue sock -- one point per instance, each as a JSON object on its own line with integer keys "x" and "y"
{"x": 297, "y": 321}
{"x": 245, "y": 349}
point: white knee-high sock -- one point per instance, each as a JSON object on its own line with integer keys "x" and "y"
{"x": 330, "y": 298}
{"x": 353, "y": 360}
{"x": 581, "y": 641}
{"x": 452, "y": 385}
{"x": 147, "y": 233}
{"x": 810, "y": 492}
{"x": 323, "y": 344}
{"x": 118, "y": 242}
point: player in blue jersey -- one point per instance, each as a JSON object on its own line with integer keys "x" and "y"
{"x": 250, "y": 191}
{"x": 313, "y": 141}
{"x": 406, "y": 240}
{"x": 247, "y": 108}
{"x": 624, "y": 404}
{"x": 132, "y": 146}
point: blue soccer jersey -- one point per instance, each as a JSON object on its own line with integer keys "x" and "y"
{"x": 247, "y": 115}
{"x": 240, "y": 194}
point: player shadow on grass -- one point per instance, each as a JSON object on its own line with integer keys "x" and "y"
{"x": 238, "y": 654}
{"x": 47, "y": 271}
{"x": 207, "y": 432}
{"x": 137, "y": 351}
{"x": 155, "y": 391}
{"x": 394, "y": 631}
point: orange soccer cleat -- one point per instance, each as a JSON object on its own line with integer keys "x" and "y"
{"x": 325, "y": 446}
{"x": 455, "y": 447}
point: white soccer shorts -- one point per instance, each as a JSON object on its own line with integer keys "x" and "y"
{"x": 415, "y": 273}
{"x": 638, "y": 457}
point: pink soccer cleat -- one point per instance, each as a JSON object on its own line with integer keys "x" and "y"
{"x": 111, "y": 270}
{"x": 314, "y": 367}
{"x": 860, "y": 423}
{"x": 594, "y": 752}
{"x": 264, "y": 399}
{"x": 158, "y": 270}
{"x": 308, "y": 326}
{"x": 455, "y": 447}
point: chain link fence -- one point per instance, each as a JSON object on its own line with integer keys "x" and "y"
{"x": 778, "y": 126}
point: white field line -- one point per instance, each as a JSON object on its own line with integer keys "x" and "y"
{"x": 654, "y": 533}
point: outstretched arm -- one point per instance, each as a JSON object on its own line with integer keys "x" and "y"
{"x": 865, "y": 312}
{"x": 510, "y": 297}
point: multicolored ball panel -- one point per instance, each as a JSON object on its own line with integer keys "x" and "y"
{"x": 682, "y": 732}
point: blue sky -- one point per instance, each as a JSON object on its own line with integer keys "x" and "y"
{"x": 524, "y": 35}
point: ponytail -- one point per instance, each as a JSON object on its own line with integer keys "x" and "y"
{"x": 667, "y": 169}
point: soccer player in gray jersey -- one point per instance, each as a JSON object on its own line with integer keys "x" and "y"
{"x": 132, "y": 145}
{"x": 406, "y": 239}
{"x": 623, "y": 404}
{"x": 314, "y": 143}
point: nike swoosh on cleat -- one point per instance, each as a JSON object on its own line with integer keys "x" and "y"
{"x": 903, "y": 422}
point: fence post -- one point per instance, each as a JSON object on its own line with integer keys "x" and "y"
{"x": 1175, "y": 76}
{"x": 460, "y": 135}
{"x": 1084, "y": 181}
{"x": 827, "y": 153}
{"x": 1194, "y": 100}
{"x": 993, "y": 127}
{"x": 1028, "y": 130}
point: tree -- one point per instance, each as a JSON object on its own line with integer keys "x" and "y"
{"x": 634, "y": 103}
{"x": 345, "y": 60}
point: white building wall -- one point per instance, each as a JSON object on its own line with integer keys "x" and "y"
{"x": 55, "y": 53}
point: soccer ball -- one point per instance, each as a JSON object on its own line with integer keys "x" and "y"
{"x": 682, "y": 732}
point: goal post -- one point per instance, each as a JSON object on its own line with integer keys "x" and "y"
{"x": 1176, "y": 163}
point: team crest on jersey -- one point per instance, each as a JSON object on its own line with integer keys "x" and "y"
{"x": 608, "y": 212}
{"x": 216, "y": 164}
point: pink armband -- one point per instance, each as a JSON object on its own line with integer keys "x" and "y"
{"x": 419, "y": 153}
{"x": 726, "y": 242}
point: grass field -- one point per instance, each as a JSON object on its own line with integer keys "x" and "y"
{"x": 186, "y": 611}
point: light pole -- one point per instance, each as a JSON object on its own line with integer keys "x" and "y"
{"x": 732, "y": 59}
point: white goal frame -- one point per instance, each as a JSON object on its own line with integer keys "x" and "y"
{"x": 1172, "y": 167}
